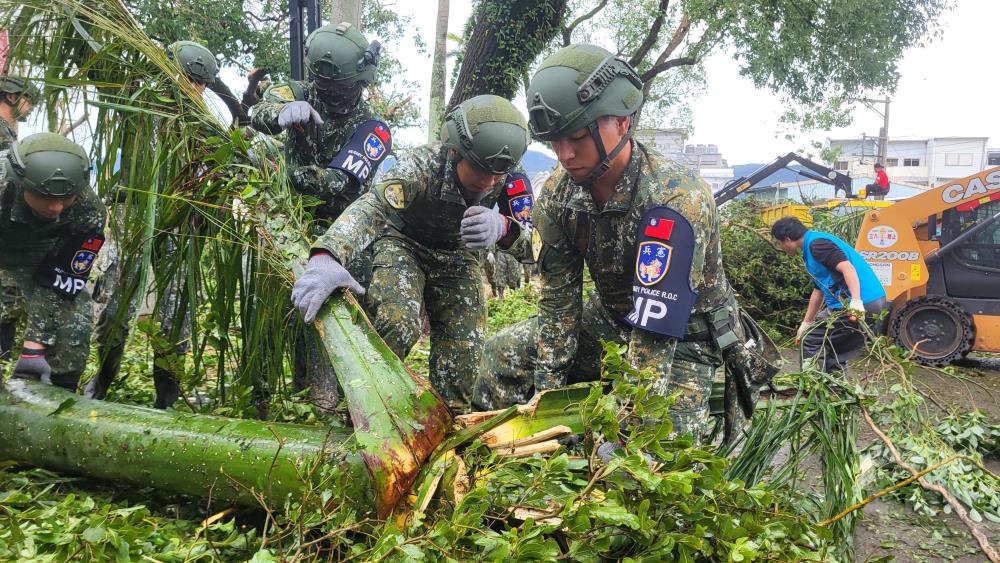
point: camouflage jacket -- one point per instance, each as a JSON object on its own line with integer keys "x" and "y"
{"x": 571, "y": 233}
{"x": 7, "y": 135}
{"x": 419, "y": 199}
{"x": 27, "y": 241}
{"x": 308, "y": 152}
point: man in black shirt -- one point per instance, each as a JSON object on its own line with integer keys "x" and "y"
{"x": 842, "y": 279}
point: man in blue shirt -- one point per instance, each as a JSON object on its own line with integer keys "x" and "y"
{"x": 842, "y": 279}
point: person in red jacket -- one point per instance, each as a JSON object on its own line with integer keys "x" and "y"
{"x": 880, "y": 188}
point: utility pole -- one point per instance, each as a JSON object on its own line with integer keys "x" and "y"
{"x": 346, "y": 11}
{"x": 883, "y": 132}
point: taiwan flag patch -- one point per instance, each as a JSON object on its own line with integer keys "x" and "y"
{"x": 662, "y": 297}
{"x": 517, "y": 199}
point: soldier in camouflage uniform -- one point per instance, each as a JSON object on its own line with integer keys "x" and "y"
{"x": 608, "y": 189}
{"x": 319, "y": 117}
{"x": 434, "y": 213}
{"x": 502, "y": 271}
{"x": 17, "y": 98}
{"x": 50, "y": 225}
{"x": 200, "y": 68}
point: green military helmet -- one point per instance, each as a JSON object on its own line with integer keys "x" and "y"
{"x": 49, "y": 165}
{"x": 488, "y": 131}
{"x": 340, "y": 53}
{"x": 575, "y": 86}
{"x": 21, "y": 86}
{"x": 197, "y": 62}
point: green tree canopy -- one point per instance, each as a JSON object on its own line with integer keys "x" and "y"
{"x": 812, "y": 53}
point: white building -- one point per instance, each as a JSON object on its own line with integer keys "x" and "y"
{"x": 992, "y": 157}
{"x": 705, "y": 159}
{"x": 716, "y": 177}
{"x": 928, "y": 162}
{"x": 668, "y": 142}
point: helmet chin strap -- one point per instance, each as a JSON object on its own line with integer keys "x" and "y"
{"x": 605, "y": 156}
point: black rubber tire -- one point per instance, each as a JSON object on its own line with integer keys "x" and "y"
{"x": 938, "y": 328}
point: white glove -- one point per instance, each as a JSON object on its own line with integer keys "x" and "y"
{"x": 857, "y": 307}
{"x": 482, "y": 228}
{"x": 803, "y": 328}
{"x": 298, "y": 113}
{"x": 322, "y": 276}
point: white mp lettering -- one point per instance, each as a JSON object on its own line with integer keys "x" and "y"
{"x": 653, "y": 310}
{"x": 78, "y": 285}
{"x": 64, "y": 284}
{"x": 357, "y": 166}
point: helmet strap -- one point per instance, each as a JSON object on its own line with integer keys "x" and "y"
{"x": 605, "y": 156}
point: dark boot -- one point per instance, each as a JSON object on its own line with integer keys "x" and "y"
{"x": 111, "y": 364}
{"x": 167, "y": 388}
{"x": 7, "y": 329}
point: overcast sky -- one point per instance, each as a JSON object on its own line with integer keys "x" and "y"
{"x": 949, "y": 88}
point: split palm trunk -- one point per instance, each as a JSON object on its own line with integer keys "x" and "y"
{"x": 232, "y": 460}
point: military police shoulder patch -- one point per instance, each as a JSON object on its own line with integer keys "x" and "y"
{"x": 393, "y": 195}
{"x": 366, "y": 150}
{"x": 65, "y": 270}
{"x": 662, "y": 296}
{"x": 536, "y": 244}
{"x": 280, "y": 93}
{"x": 516, "y": 199}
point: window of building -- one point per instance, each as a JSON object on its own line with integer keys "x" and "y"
{"x": 994, "y": 159}
{"x": 840, "y": 165}
{"x": 890, "y": 162}
{"x": 958, "y": 159}
{"x": 911, "y": 162}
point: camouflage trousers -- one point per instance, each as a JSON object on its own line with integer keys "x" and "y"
{"x": 508, "y": 370}
{"x": 67, "y": 353}
{"x": 449, "y": 284}
{"x": 311, "y": 365}
{"x": 11, "y": 312}
{"x": 503, "y": 271}
{"x": 113, "y": 323}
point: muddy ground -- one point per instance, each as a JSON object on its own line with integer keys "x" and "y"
{"x": 890, "y": 528}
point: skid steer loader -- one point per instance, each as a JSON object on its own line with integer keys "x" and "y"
{"x": 938, "y": 256}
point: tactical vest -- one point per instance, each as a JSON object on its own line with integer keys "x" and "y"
{"x": 434, "y": 218}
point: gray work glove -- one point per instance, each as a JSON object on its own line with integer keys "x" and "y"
{"x": 298, "y": 113}
{"x": 482, "y": 228}
{"x": 323, "y": 275}
{"x": 32, "y": 365}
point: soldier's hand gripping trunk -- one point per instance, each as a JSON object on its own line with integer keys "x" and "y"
{"x": 323, "y": 275}
{"x": 482, "y": 228}
{"x": 298, "y": 114}
{"x": 33, "y": 365}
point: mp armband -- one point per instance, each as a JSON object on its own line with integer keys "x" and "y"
{"x": 517, "y": 199}
{"x": 662, "y": 297}
{"x": 366, "y": 150}
{"x": 66, "y": 269}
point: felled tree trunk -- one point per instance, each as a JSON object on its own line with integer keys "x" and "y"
{"x": 200, "y": 455}
{"x": 398, "y": 418}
